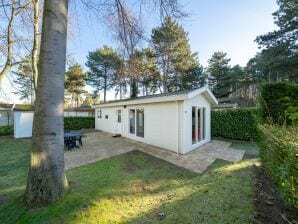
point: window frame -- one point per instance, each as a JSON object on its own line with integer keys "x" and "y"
{"x": 202, "y": 128}
{"x": 99, "y": 114}
{"x": 117, "y": 115}
{"x": 135, "y": 122}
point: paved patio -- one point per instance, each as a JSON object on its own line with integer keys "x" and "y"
{"x": 101, "y": 145}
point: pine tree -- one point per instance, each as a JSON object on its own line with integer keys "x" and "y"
{"x": 104, "y": 63}
{"x": 91, "y": 99}
{"x": 24, "y": 82}
{"x": 172, "y": 51}
{"x": 75, "y": 82}
{"x": 150, "y": 77}
{"x": 281, "y": 45}
{"x": 218, "y": 70}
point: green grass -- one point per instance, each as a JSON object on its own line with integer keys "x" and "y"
{"x": 248, "y": 146}
{"x": 130, "y": 188}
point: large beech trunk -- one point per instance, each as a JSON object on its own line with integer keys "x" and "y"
{"x": 47, "y": 181}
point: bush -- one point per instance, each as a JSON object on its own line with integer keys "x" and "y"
{"x": 279, "y": 103}
{"x": 238, "y": 124}
{"x": 278, "y": 151}
{"x": 6, "y": 130}
{"x": 76, "y": 123}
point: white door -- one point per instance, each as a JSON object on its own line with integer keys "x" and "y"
{"x": 118, "y": 121}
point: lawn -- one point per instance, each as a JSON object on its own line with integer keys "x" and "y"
{"x": 131, "y": 188}
{"x": 250, "y": 147}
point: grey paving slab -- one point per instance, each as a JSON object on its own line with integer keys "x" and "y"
{"x": 100, "y": 145}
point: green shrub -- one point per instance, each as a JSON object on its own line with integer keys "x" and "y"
{"x": 76, "y": 123}
{"x": 279, "y": 103}
{"x": 6, "y": 130}
{"x": 278, "y": 151}
{"x": 235, "y": 123}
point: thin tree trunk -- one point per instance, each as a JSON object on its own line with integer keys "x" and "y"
{"x": 47, "y": 180}
{"x": 34, "y": 54}
{"x": 10, "y": 41}
{"x": 105, "y": 86}
{"x": 77, "y": 100}
{"x": 8, "y": 63}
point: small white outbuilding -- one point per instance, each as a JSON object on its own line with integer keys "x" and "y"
{"x": 23, "y": 121}
{"x": 179, "y": 122}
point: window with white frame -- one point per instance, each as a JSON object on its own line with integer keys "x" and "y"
{"x": 119, "y": 116}
{"x": 198, "y": 124}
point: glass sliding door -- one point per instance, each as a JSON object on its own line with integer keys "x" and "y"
{"x": 193, "y": 125}
{"x": 140, "y": 123}
{"x": 204, "y": 123}
{"x": 132, "y": 123}
{"x": 198, "y": 124}
{"x": 136, "y": 122}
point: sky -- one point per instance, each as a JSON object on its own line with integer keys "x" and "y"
{"x": 213, "y": 25}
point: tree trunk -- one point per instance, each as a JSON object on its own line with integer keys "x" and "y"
{"x": 105, "y": 86}
{"x": 34, "y": 54}
{"x": 47, "y": 180}
{"x": 133, "y": 88}
{"x": 77, "y": 100}
{"x": 9, "y": 43}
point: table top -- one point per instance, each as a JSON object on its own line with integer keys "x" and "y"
{"x": 72, "y": 134}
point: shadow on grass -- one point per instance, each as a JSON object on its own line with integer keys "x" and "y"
{"x": 133, "y": 188}
{"x": 224, "y": 194}
{"x": 111, "y": 178}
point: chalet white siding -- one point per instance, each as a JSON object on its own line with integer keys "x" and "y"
{"x": 167, "y": 119}
{"x": 107, "y": 122}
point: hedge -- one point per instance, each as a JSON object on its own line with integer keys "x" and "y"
{"x": 278, "y": 151}
{"x": 76, "y": 123}
{"x": 238, "y": 124}
{"x": 6, "y": 130}
{"x": 279, "y": 103}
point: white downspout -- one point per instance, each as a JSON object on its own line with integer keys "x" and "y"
{"x": 177, "y": 112}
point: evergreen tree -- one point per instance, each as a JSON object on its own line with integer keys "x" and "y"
{"x": 91, "y": 99}
{"x": 121, "y": 79}
{"x": 237, "y": 77}
{"x": 104, "y": 63}
{"x": 75, "y": 82}
{"x": 150, "y": 77}
{"x": 136, "y": 69}
{"x": 173, "y": 54}
{"x": 194, "y": 78}
{"x": 24, "y": 82}
{"x": 281, "y": 45}
{"x": 218, "y": 71}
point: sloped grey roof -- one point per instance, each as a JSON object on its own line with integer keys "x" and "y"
{"x": 164, "y": 97}
{"x": 149, "y": 96}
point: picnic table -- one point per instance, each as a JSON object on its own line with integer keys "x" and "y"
{"x": 71, "y": 138}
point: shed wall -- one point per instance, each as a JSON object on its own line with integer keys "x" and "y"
{"x": 197, "y": 101}
{"x": 161, "y": 123}
{"x": 23, "y": 121}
